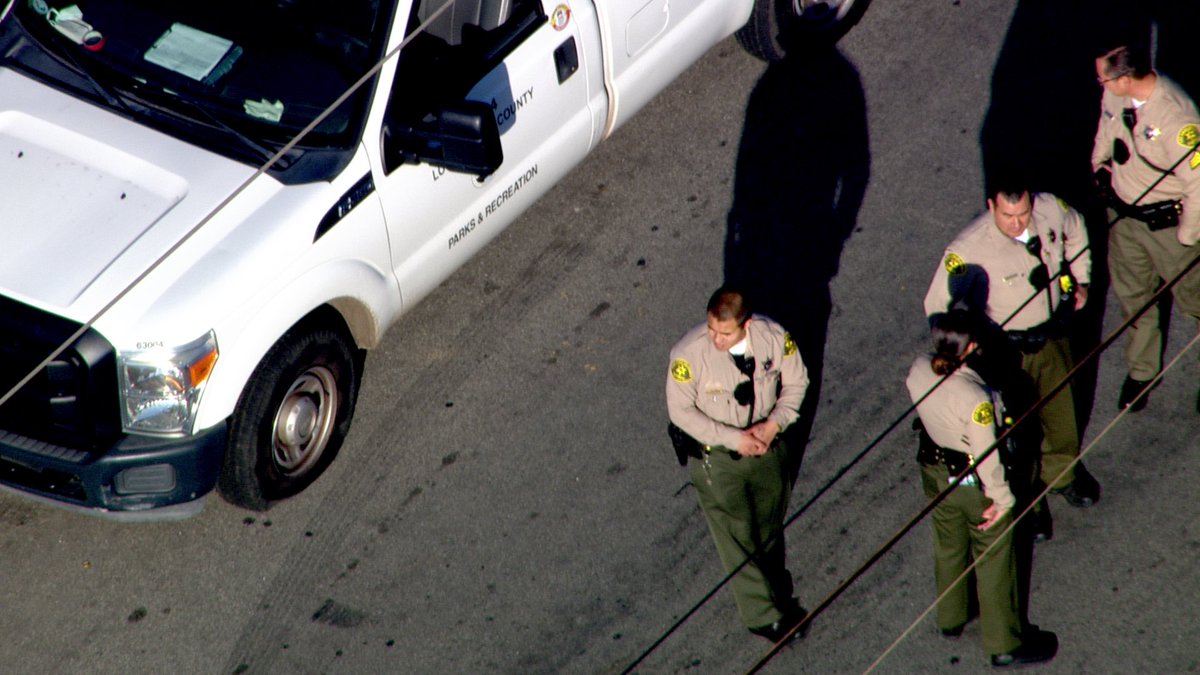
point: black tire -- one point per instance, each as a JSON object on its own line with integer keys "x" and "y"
{"x": 292, "y": 417}
{"x": 775, "y": 26}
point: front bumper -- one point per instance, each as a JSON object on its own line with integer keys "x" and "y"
{"x": 138, "y": 478}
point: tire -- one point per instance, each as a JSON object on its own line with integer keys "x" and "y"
{"x": 777, "y": 25}
{"x": 292, "y": 417}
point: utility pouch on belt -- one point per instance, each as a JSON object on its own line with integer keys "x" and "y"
{"x": 685, "y": 445}
{"x": 956, "y": 462}
{"x": 1159, "y": 215}
{"x": 1156, "y": 216}
{"x": 929, "y": 454}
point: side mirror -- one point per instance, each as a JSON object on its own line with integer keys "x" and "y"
{"x": 463, "y": 137}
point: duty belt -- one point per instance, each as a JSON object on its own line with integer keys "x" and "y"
{"x": 955, "y": 462}
{"x": 1032, "y": 340}
{"x": 1156, "y": 216}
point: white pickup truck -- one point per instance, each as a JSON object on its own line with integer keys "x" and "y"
{"x": 209, "y": 211}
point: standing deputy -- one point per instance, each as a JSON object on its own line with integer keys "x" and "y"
{"x": 735, "y": 382}
{"x": 1147, "y": 125}
{"x": 960, "y": 416}
{"x": 1023, "y": 268}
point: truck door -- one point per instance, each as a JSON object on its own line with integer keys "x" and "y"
{"x": 519, "y": 61}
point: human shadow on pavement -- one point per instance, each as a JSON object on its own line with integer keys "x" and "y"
{"x": 1042, "y": 120}
{"x": 802, "y": 169}
{"x": 1044, "y": 110}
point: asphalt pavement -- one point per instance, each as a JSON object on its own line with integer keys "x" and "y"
{"x": 508, "y": 501}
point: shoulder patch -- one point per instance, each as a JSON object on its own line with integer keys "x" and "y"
{"x": 1061, "y": 204}
{"x": 681, "y": 371}
{"x": 955, "y": 265}
{"x": 789, "y": 345}
{"x": 1189, "y": 136}
{"x": 984, "y": 415}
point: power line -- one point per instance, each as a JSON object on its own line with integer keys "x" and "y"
{"x": 316, "y": 121}
{"x": 803, "y": 625}
{"x": 1094, "y": 354}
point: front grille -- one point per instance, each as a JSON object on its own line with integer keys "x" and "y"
{"x": 72, "y": 401}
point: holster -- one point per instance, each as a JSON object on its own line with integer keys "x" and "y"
{"x": 1159, "y": 215}
{"x": 685, "y": 446}
{"x": 1156, "y": 216}
{"x": 930, "y": 454}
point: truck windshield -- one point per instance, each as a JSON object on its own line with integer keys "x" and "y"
{"x": 256, "y": 71}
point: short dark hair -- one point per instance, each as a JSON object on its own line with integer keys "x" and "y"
{"x": 1010, "y": 185}
{"x": 1132, "y": 59}
{"x": 729, "y": 303}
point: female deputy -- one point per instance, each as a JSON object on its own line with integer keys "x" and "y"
{"x": 960, "y": 418}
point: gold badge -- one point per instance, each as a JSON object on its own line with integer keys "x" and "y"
{"x": 983, "y": 415}
{"x": 789, "y": 345}
{"x": 955, "y": 265}
{"x": 681, "y": 371}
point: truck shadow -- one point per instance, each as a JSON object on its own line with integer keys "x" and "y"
{"x": 802, "y": 169}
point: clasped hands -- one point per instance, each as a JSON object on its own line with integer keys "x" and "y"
{"x": 757, "y": 439}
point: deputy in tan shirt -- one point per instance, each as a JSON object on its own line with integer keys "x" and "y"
{"x": 734, "y": 383}
{"x": 961, "y": 415}
{"x": 1016, "y": 265}
{"x": 1145, "y": 147}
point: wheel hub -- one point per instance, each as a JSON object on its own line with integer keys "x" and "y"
{"x": 299, "y": 416}
{"x": 304, "y": 421}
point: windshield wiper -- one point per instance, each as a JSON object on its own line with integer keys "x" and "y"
{"x": 108, "y": 94}
{"x": 263, "y": 152}
{"x": 117, "y": 98}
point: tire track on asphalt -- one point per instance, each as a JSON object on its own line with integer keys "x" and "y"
{"x": 288, "y": 597}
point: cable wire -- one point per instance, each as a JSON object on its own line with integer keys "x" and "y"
{"x": 1094, "y": 354}
{"x": 224, "y": 202}
{"x": 803, "y": 625}
{"x": 1046, "y": 490}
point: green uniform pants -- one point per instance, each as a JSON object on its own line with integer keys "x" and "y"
{"x": 1137, "y": 259}
{"x": 956, "y": 540}
{"x": 745, "y": 505}
{"x": 1060, "y": 432}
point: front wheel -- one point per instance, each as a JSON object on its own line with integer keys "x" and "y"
{"x": 292, "y": 417}
{"x": 777, "y": 25}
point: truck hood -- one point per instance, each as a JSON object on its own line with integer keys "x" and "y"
{"x": 89, "y": 200}
{"x": 71, "y": 207}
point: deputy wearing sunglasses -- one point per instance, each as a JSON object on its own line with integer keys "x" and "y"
{"x": 1148, "y": 172}
{"x": 1022, "y": 270}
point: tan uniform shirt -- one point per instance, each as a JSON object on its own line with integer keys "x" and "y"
{"x": 985, "y": 270}
{"x": 961, "y": 415}
{"x": 701, "y": 380}
{"x": 1167, "y": 126}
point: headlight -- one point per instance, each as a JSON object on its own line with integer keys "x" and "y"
{"x": 161, "y": 387}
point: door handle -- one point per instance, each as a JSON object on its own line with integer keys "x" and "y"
{"x": 566, "y": 59}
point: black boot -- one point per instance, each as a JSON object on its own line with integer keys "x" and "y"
{"x": 1038, "y": 646}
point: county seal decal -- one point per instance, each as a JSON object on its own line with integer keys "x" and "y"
{"x": 789, "y": 345}
{"x": 955, "y": 265}
{"x": 560, "y": 17}
{"x": 983, "y": 414}
{"x": 681, "y": 371}
{"x": 1189, "y": 137}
